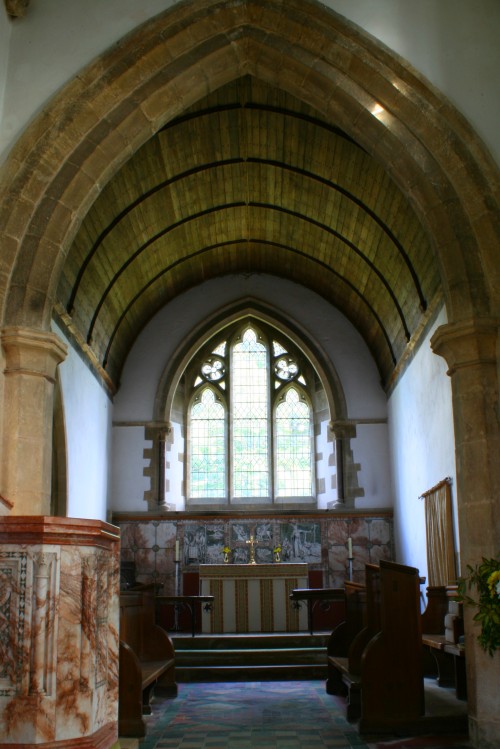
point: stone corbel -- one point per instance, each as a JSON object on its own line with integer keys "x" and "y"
{"x": 16, "y": 8}
{"x": 343, "y": 429}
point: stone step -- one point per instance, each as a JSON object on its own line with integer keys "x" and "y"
{"x": 256, "y": 656}
{"x": 248, "y": 641}
{"x": 251, "y": 673}
{"x": 240, "y": 657}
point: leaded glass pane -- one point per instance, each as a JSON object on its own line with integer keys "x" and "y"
{"x": 286, "y": 368}
{"x": 250, "y": 397}
{"x": 207, "y": 442}
{"x": 213, "y": 368}
{"x": 293, "y": 447}
{"x": 278, "y": 349}
{"x": 220, "y": 349}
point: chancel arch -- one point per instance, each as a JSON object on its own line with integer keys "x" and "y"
{"x": 69, "y": 155}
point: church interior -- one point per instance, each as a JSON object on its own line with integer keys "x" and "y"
{"x": 250, "y": 298}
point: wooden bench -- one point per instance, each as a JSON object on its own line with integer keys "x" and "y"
{"x": 344, "y": 670}
{"x": 382, "y": 677}
{"x": 344, "y": 633}
{"x": 146, "y": 661}
{"x": 391, "y": 668}
{"x": 440, "y": 640}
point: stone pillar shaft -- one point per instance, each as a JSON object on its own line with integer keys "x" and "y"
{"x": 31, "y": 358}
{"x": 470, "y": 349}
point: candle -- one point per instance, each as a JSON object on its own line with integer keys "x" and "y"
{"x": 177, "y": 551}
{"x": 349, "y": 548}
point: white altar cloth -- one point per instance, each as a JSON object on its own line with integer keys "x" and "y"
{"x": 253, "y": 597}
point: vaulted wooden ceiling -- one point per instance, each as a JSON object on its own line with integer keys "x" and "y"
{"x": 249, "y": 180}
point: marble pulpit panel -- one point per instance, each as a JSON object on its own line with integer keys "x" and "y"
{"x": 253, "y": 597}
{"x": 59, "y": 587}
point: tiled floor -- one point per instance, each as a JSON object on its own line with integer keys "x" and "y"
{"x": 264, "y": 715}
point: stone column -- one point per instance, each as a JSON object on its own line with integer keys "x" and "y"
{"x": 160, "y": 434}
{"x": 347, "y": 484}
{"x": 470, "y": 350}
{"x": 31, "y": 358}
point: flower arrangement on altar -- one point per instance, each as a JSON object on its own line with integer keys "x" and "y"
{"x": 226, "y": 551}
{"x": 277, "y": 553}
{"x": 485, "y": 577}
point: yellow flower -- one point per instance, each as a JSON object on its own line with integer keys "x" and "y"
{"x": 494, "y": 582}
{"x": 226, "y": 550}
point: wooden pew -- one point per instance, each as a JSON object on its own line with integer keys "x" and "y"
{"x": 391, "y": 665}
{"x": 440, "y": 640}
{"x": 146, "y": 661}
{"x": 382, "y": 676}
{"x": 344, "y": 633}
{"x": 344, "y": 672}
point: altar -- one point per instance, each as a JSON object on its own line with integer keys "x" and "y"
{"x": 253, "y": 597}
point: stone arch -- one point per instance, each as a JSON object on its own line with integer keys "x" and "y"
{"x": 93, "y": 125}
{"x": 89, "y": 129}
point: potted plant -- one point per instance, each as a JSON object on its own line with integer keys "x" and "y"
{"x": 485, "y": 579}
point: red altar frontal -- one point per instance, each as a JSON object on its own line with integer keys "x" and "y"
{"x": 253, "y": 597}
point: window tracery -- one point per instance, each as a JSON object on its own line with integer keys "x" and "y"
{"x": 249, "y": 420}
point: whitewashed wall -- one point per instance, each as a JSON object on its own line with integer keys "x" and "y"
{"x": 322, "y": 323}
{"x": 422, "y": 447}
{"x": 454, "y": 43}
{"x": 87, "y": 416}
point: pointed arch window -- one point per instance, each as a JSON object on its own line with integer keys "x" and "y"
{"x": 207, "y": 439}
{"x": 250, "y": 421}
{"x": 293, "y": 445}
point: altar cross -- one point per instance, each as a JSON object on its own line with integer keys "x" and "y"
{"x": 252, "y": 543}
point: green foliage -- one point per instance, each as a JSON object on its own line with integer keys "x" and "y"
{"x": 485, "y": 579}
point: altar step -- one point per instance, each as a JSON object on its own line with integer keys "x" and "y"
{"x": 261, "y": 657}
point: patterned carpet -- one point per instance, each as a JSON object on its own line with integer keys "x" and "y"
{"x": 263, "y": 715}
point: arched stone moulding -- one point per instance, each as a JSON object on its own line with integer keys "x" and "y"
{"x": 101, "y": 117}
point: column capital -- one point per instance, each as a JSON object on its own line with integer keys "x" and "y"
{"x": 32, "y": 352}
{"x": 467, "y": 343}
{"x": 343, "y": 428}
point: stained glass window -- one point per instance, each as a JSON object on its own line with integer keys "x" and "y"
{"x": 207, "y": 443}
{"x": 250, "y": 417}
{"x": 293, "y": 446}
{"x": 250, "y": 420}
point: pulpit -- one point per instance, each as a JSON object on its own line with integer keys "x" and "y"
{"x": 253, "y": 597}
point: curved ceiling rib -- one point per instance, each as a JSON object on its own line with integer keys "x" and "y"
{"x": 214, "y": 209}
{"x": 250, "y": 179}
{"x": 245, "y": 241}
{"x": 199, "y": 169}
